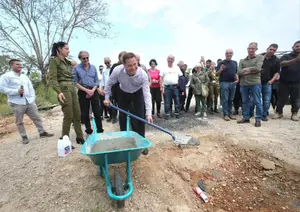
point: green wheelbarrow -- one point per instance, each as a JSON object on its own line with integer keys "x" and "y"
{"x": 117, "y": 190}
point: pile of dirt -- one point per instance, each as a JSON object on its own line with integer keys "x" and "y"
{"x": 242, "y": 182}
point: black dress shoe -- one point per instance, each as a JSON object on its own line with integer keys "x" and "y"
{"x": 109, "y": 119}
{"x": 264, "y": 119}
{"x": 145, "y": 152}
{"x": 257, "y": 124}
{"x": 115, "y": 120}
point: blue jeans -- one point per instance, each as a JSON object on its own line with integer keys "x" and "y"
{"x": 170, "y": 93}
{"x": 266, "y": 100}
{"x": 227, "y": 95}
{"x": 251, "y": 91}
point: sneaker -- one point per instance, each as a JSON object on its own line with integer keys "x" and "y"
{"x": 25, "y": 140}
{"x": 198, "y": 114}
{"x": 294, "y": 117}
{"x": 277, "y": 116}
{"x": 46, "y": 134}
{"x": 226, "y": 118}
{"x": 204, "y": 115}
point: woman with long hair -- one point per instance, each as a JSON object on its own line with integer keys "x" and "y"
{"x": 155, "y": 87}
{"x": 60, "y": 79}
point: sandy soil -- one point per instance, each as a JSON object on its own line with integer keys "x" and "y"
{"x": 34, "y": 178}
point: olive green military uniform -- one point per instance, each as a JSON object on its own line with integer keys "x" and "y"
{"x": 60, "y": 79}
{"x": 214, "y": 89}
{"x": 199, "y": 83}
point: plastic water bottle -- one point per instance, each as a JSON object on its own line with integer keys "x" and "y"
{"x": 64, "y": 146}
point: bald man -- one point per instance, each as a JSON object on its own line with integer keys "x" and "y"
{"x": 227, "y": 72}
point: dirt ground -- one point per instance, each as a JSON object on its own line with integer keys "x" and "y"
{"x": 228, "y": 160}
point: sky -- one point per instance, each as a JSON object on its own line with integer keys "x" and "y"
{"x": 189, "y": 29}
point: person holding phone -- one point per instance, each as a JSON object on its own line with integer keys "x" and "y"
{"x": 61, "y": 80}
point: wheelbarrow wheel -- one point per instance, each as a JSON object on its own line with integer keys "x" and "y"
{"x": 119, "y": 188}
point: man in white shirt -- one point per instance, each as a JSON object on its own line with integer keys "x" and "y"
{"x": 169, "y": 86}
{"x": 21, "y": 99}
{"x": 105, "y": 76}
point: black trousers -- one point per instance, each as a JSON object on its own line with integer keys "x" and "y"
{"x": 189, "y": 98}
{"x": 237, "y": 100}
{"x": 135, "y": 104}
{"x": 285, "y": 91}
{"x": 182, "y": 98}
{"x": 103, "y": 107}
{"x": 115, "y": 93}
{"x": 85, "y": 108}
{"x": 156, "y": 99}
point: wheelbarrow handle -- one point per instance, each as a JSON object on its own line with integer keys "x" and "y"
{"x": 143, "y": 120}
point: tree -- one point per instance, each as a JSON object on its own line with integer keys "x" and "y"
{"x": 28, "y": 28}
{"x": 4, "y": 67}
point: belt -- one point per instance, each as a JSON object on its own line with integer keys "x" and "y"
{"x": 168, "y": 86}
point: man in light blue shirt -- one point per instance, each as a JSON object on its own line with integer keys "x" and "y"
{"x": 21, "y": 99}
{"x": 86, "y": 80}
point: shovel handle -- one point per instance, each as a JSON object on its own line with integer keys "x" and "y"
{"x": 143, "y": 120}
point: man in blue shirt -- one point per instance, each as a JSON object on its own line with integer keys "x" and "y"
{"x": 86, "y": 80}
{"x": 227, "y": 70}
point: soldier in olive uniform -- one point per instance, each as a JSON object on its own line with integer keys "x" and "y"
{"x": 214, "y": 88}
{"x": 60, "y": 79}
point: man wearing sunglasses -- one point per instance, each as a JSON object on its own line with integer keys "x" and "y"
{"x": 86, "y": 80}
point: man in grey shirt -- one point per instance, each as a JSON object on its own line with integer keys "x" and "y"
{"x": 134, "y": 89}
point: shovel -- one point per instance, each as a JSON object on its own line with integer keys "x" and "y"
{"x": 178, "y": 139}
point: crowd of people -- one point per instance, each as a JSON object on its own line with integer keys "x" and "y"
{"x": 85, "y": 91}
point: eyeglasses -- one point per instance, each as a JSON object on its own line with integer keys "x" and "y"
{"x": 85, "y": 58}
{"x": 228, "y": 52}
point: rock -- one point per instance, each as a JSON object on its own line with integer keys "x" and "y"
{"x": 193, "y": 142}
{"x": 185, "y": 176}
{"x": 169, "y": 209}
{"x": 267, "y": 164}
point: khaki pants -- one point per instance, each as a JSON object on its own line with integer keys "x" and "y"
{"x": 32, "y": 112}
{"x": 212, "y": 99}
{"x": 71, "y": 110}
